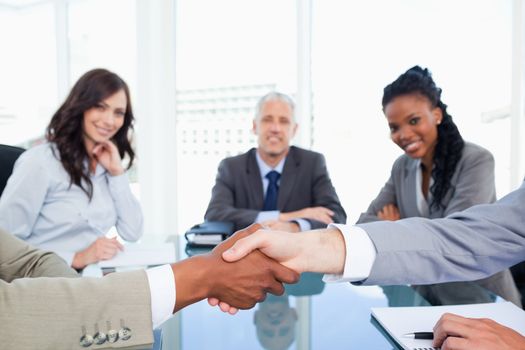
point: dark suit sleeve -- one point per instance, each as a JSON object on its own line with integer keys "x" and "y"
{"x": 222, "y": 203}
{"x": 387, "y": 195}
{"x": 324, "y": 195}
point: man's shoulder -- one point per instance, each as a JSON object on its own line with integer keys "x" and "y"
{"x": 302, "y": 153}
{"x": 240, "y": 158}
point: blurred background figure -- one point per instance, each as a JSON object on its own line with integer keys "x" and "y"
{"x": 67, "y": 193}
{"x": 439, "y": 174}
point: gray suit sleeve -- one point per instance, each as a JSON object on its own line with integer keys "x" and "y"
{"x": 468, "y": 245}
{"x": 475, "y": 183}
{"x": 54, "y": 313}
{"x": 18, "y": 260}
{"x": 324, "y": 194}
{"x": 221, "y": 206}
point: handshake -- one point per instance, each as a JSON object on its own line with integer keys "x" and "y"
{"x": 240, "y": 271}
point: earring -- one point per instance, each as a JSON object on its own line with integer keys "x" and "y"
{"x": 438, "y": 122}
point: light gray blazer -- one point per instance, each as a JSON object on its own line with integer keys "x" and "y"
{"x": 39, "y": 312}
{"x": 471, "y": 184}
{"x": 468, "y": 245}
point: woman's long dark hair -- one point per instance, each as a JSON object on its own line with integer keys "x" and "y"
{"x": 66, "y": 127}
{"x": 450, "y": 144}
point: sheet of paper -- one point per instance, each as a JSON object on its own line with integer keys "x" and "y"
{"x": 206, "y": 239}
{"x": 402, "y": 320}
{"x": 142, "y": 255}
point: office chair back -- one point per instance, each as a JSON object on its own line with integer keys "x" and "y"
{"x": 8, "y": 157}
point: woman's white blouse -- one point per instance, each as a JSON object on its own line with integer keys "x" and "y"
{"x": 41, "y": 207}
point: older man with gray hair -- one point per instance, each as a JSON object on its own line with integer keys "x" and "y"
{"x": 281, "y": 186}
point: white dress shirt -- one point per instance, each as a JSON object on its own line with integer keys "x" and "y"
{"x": 40, "y": 206}
{"x": 264, "y": 169}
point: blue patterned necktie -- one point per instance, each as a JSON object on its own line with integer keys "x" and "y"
{"x": 270, "y": 201}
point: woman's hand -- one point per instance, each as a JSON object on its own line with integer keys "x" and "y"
{"x": 389, "y": 212}
{"x": 102, "y": 249}
{"x": 106, "y": 154}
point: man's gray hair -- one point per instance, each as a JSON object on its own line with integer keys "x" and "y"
{"x": 275, "y": 96}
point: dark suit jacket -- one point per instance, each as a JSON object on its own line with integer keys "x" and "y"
{"x": 238, "y": 192}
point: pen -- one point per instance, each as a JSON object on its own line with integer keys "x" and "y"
{"x": 419, "y": 335}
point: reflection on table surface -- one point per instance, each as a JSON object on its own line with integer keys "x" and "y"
{"x": 310, "y": 315}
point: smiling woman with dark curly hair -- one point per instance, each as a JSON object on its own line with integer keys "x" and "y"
{"x": 439, "y": 174}
{"x": 67, "y": 193}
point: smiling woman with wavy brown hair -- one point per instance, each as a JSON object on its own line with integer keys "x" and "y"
{"x": 66, "y": 129}
{"x": 67, "y": 193}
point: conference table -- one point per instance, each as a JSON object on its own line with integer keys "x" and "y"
{"x": 310, "y": 315}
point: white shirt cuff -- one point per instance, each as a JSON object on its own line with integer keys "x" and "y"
{"x": 163, "y": 293}
{"x": 304, "y": 225}
{"x": 360, "y": 255}
{"x": 267, "y": 215}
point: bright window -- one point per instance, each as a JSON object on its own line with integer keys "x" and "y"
{"x": 360, "y": 47}
{"x": 229, "y": 53}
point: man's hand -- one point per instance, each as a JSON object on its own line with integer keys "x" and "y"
{"x": 240, "y": 284}
{"x": 320, "y": 251}
{"x": 102, "y": 249}
{"x": 389, "y": 212}
{"x": 315, "y": 213}
{"x": 458, "y": 333}
{"x": 277, "y": 225}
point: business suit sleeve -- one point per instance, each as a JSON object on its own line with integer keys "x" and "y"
{"x": 475, "y": 183}
{"x": 468, "y": 245}
{"x": 222, "y": 203}
{"x": 387, "y": 195}
{"x": 18, "y": 260}
{"x": 46, "y": 311}
{"x": 51, "y": 313}
{"x": 324, "y": 194}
